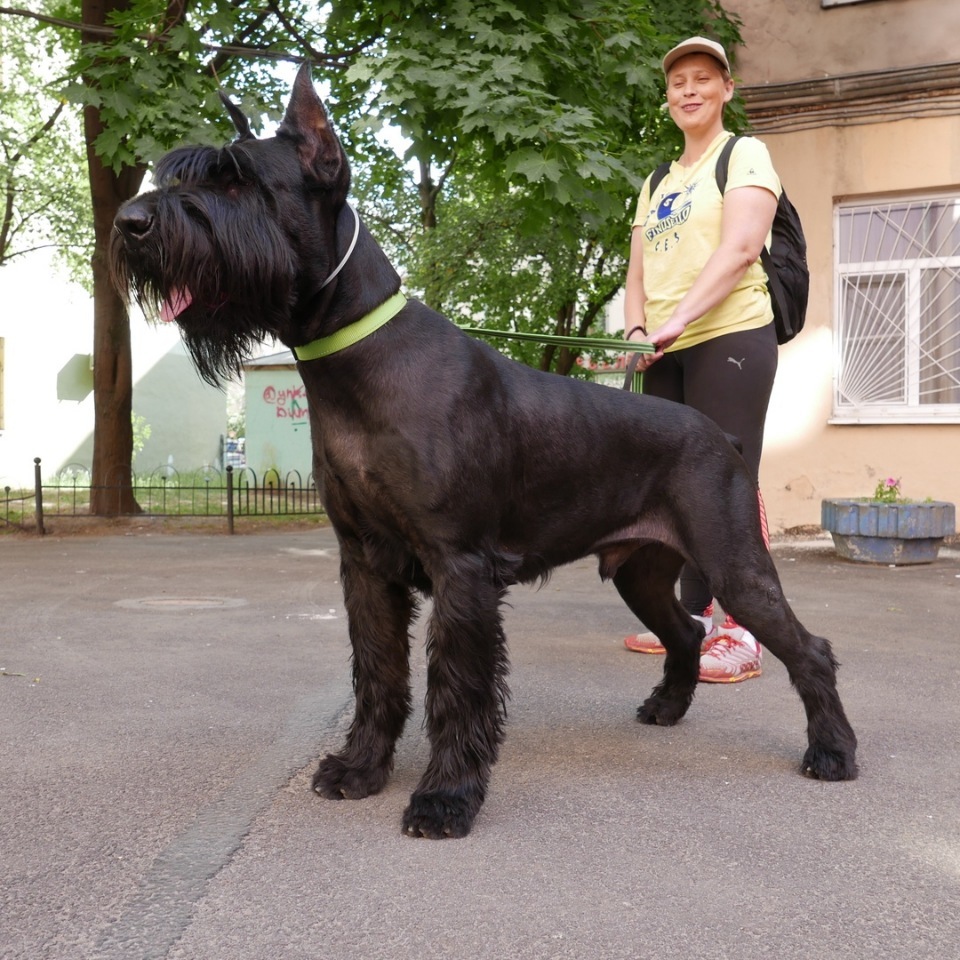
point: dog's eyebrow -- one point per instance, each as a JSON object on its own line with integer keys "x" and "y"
{"x": 185, "y": 165}
{"x": 191, "y": 165}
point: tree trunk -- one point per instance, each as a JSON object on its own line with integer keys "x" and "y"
{"x": 111, "y": 481}
{"x": 111, "y": 475}
{"x": 560, "y": 359}
{"x": 428, "y": 191}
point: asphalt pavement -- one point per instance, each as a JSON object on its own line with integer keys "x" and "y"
{"x": 164, "y": 700}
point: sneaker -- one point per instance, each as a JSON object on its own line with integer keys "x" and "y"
{"x": 730, "y": 656}
{"x": 648, "y": 642}
{"x": 644, "y": 643}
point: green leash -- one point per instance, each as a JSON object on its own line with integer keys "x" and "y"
{"x": 355, "y": 332}
{"x": 595, "y": 343}
{"x": 633, "y": 379}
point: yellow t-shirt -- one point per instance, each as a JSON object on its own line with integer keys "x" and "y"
{"x": 681, "y": 230}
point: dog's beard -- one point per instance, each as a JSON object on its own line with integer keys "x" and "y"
{"x": 221, "y": 271}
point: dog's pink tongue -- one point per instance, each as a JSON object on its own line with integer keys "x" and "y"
{"x": 175, "y": 304}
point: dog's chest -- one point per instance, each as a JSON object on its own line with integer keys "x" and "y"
{"x": 368, "y": 475}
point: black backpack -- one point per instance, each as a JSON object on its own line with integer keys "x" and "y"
{"x": 786, "y": 260}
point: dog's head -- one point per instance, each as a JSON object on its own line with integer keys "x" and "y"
{"x": 234, "y": 243}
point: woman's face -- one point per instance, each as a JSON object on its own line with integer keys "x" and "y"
{"x": 696, "y": 93}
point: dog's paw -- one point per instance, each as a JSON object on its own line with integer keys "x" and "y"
{"x": 438, "y": 815}
{"x": 823, "y": 764}
{"x": 335, "y": 779}
{"x": 659, "y": 712}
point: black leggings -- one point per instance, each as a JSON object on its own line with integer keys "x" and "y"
{"x": 728, "y": 378}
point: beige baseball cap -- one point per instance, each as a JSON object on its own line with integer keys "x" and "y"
{"x": 695, "y": 45}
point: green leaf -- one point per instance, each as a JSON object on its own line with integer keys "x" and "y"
{"x": 533, "y": 165}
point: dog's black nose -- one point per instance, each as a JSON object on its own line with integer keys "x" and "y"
{"x": 135, "y": 220}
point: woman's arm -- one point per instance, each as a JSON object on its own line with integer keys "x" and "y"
{"x": 748, "y": 214}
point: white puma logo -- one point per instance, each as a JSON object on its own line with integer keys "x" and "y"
{"x": 739, "y": 362}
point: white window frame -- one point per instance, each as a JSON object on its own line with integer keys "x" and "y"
{"x": 910, "y": 410}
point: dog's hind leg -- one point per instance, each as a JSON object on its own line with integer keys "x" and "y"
{"x": 812, "y": 668}
{"x": 746, "y": 583}
{"x": 646, "y": 581}
{"x": 379, "y": 615}
{"x": 466, "y": 698}
{"x": 734, "y": 560}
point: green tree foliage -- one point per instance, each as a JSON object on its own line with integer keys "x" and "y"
{"x": 530, "y": 127}
{"x": 153, "y": 74}
{"x": 564, "y": 94}
{"x": 42, "y": 180}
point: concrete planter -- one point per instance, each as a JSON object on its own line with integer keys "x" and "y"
{"x": 872, "y": 531}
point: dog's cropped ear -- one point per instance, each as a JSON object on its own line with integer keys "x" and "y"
{"x": 240, "y": 122}
{"x": 306, "y": 122}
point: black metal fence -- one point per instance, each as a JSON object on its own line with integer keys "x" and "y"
{"x": 209, "y": 492}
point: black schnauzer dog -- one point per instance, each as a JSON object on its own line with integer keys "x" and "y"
{"x": 448, "y": 470}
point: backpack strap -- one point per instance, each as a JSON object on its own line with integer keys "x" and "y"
{"x": 657, "y": 176}
{"x": 723, "y": 162}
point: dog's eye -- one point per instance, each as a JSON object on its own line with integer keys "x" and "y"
{"x": 227, "y": 175}
{"x": 231, "y": 169}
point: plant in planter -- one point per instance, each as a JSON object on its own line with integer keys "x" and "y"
{"x": 887, "y": 527}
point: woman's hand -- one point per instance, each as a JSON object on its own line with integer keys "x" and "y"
{"x": 667, "y": 335}
{"x": 662, "y": 339}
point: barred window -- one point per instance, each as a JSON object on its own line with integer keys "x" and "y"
{"x": 898, "y": 311}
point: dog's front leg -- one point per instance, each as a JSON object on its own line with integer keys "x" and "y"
{"x": 379, "y": 613}
{"x": 465, "y": 702}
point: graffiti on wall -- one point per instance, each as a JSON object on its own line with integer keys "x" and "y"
{"x": 289, "y": 404}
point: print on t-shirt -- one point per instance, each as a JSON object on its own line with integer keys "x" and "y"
{"x": 672, "y": 211}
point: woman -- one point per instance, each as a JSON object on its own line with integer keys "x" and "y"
{"x": 697, "y": 291}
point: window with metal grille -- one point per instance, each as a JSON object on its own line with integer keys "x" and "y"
{"x": 898, "y": 310}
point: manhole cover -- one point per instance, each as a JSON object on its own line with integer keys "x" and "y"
{"x": 181, "y": 603}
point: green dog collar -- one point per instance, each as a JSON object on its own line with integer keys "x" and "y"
{"x": 354, "y": 332}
